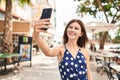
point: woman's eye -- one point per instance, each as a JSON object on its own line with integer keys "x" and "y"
{"x": 76, "y": 28}
{"x": 70, "y": 27}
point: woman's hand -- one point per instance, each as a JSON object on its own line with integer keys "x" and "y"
{"x": 43, "y": 23}
{"x": 41, "y": 26}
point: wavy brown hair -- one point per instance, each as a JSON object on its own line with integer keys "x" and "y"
{"x": 81, "y": 40}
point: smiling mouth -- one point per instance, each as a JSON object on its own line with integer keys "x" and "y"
{"x": 71, "y": 35}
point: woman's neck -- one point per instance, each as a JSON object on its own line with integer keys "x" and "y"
{"x": 72, "y": 44}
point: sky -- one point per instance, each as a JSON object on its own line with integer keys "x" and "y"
{"x": 65, "y": 11}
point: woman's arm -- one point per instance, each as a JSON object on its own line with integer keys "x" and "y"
{"x": 42, "y": 45}
{"x": 88, "y": 64}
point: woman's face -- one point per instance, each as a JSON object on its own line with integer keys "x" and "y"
{"x": 74, "y": 31}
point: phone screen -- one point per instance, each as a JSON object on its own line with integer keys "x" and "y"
{"x": 46, "y": 13}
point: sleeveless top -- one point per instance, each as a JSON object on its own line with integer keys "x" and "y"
{"x": 71, "y": 68}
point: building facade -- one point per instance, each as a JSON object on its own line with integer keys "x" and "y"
{"x": 22, "y": 19}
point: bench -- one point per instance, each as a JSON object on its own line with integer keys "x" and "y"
{"x": 4, "y": 61}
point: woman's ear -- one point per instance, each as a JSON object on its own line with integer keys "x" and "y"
{"x": 81, "y": 34}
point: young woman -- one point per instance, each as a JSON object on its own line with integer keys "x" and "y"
{"x": 72, "y": 56}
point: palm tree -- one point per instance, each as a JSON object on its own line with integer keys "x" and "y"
{"x": 101, "y": 10}
{"x": 7, "y": 33}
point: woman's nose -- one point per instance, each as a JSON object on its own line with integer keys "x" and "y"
{"x": 72, "y": 29}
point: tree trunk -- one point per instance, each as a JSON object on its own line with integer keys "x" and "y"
{"x": 103, "y": 39}
{"x": 7, "y": 37}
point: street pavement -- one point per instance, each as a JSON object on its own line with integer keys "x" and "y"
{"x": 44, "y": 68}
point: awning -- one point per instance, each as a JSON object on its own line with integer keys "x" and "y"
{"x": 18, "y": 26}
{"x": 97, "y": 27}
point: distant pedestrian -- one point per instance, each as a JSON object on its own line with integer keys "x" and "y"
{"x": 72, "y": 56}
{"x": 92, "y": 47}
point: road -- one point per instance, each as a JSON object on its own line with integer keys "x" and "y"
{"x": 44, "y": 68}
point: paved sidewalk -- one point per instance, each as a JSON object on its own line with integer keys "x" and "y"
{"x": 44, "y": 68}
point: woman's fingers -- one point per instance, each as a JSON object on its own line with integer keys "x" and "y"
{"x": 42, "y": 25}
{"x": 42, "y": 22}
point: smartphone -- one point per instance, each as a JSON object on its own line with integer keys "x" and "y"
{"x": 46, "y": 13}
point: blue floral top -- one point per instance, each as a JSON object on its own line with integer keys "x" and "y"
{"x": 73, "y": 68}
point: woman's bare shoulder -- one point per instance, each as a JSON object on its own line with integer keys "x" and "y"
{"x": 61, "y": 47}
{"x": 58, "y": 47}
{"x": 85, "y": 51}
